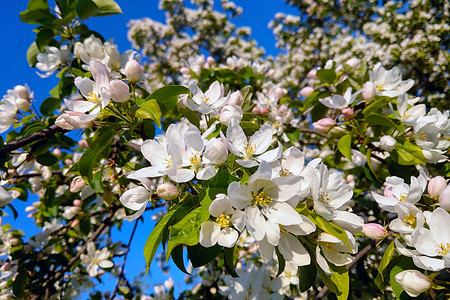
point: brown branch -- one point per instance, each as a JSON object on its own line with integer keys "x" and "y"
{"x": 40, "y": 135}
{"x": 121, "y": 275}
{"x": 358, "y": 256}
{"x": 313, "y": 131}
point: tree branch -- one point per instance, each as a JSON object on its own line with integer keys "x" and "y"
{"x": 358, "y": 256}
{"x": 40, "y": 135}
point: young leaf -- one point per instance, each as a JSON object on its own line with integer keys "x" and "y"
{"x": 150, "y": 110}
{"x": 167, "y": 96}
{"x": 387, "y": 256}
{"x": 177, "y": 257}
{"x": 345, "y": 146}
{"x": 326, "y": 75}
{"x": 228, "y": 255}
{"x": 47, "y": 159}
{"x": 32, "y": 53}
{"x": 200, "y": 255}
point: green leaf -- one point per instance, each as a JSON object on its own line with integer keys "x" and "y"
{"x": 155, "y": 238}
{"x": 281, "y": 261}
{"x": 187, "y": 231}
{"x": 49, "y": 106}
{"x": 247, "y": 93}
{"x": 86, "y": 9}
{"x": 107, "y": 7}
{"x": 376, "y": 119}
{"x": 167, "y": 96}
{"x": 345, "y": 146}
{"x": 326, "y": 75}
{"x": 408, "y": 154}
{"x": 330, "y": 228}
{"x": 387, "y": 256}
{"x": 405, "y": 263}
{"x": 20, "y": 282}
{"x": 337, "y": 283}
{"x": 318, "y": 112}
{"x": 307, "y": 277}
{"x": 200, "y": 255}
{"x": 32, "y": 53}
{"x": 150, "y": 110}
{"x": 92, "y": 156}
{"x": 37, "y": 13}
{"x": 249, "y": 127}
{"x": 43, "y": 38}
{"x": 47, "y": 159}
{"x": 375, "y": 105}
{"x": 228, "y": 255}
{"x": 190, "y": 115}
{"x": 177, "y": 257}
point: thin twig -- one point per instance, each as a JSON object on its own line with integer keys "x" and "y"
{"x": 40, "y": 135}
{"x": 314, "y": 131}
{"x": 121, "y": 275}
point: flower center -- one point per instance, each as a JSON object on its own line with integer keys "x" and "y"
{"x": 285, "y": 172}
{"x": 224, "y": 220}
{"x": 168, "y": 161}
{"x": 261, "y": 199}
{"x": 93, "y": 98}
{"x": 196, "y": 162}
{"x": 327, "y": 245}
{"x": 411, "y": 219}
{"x": 442, "y": 249}
{"x": 204, "y": 98}
{"x": 324, "y": 198}
{"x": 403, "y": 197}
{"x": 249, "y": 150}
{"x": 379, "y": 86}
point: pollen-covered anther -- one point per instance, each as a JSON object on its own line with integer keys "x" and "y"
{"x": 92, "y": 97}
{"x": 411, "y": 219}
{"x": 196, "y": 161}
{"x": 224, "y": 220}
{"x": 285, "y": 172}
{"x": 249, "y": 150}
{"x": 261, "y": 199}
{"x": 168, "y": 162}
{"x": 403, "y": 197}
{"x": 442, "y": 249}
{"x": 324, "y": 198}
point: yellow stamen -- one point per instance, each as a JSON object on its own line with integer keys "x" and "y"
{"x": 249, "y": 150}
{"x": 442, "y": 249}
{"x": 168, "y": 162}
{"x": 327, "y": 245}
{"x": 196, "y": 162}
{"x": 324, "y": 198}
{"x": 285, "y": 172}
{"x": 411, "y": 219}
{"x": 403, "y": 197}
{"x": 261, "y": 199}
{"x": 205, "y": 99}
{"x": 93, "y": 98}
{"x": 224, "y": 220}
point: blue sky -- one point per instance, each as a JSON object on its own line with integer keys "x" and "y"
{"x": 16, "y": 38}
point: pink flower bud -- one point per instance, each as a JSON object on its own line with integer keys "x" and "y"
{"x": 210, "y": 60}
{"x": 83, "y": 144}
{"x": 435, "y": 186}
{"x": 270, "y": 73}
{"x": 312, "y": 74}
{"x": 27, "y": 248}
{"x": 68, "y": 162}
{"x": 77, "y": 202}
{"x": 348, "y": 112}
{"x": 368, "y": 90}
{"x": 228, "y": 112}
{"x": 374, "y": 231}
{"x": 167, "y": 191}
{"x": 185, "y": 71}
{"x": 324, "y": 124}
{"x": 264, "y": 111}
{"x": 216, "y": 151}
{"x": 77, "y": 184}
{"x": 256, "y": 110}
{"x": 279, "y": 93}
{"x": 74, "y": 223}
{"x": 119, "y": 91}
{"x": 70, "y": 120}
{"x": 14, "y": 241}
{"x": 413, "y": 282}
{"x": 444, "y": 198}
{"x": 388, "y": 143}
{"x": 306, "y": 91}
{"x": 235, "y": 99}
{"x": 133, "y": 71}
{"x": 57, "y": 152}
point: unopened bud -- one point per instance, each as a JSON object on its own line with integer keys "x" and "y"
{"x": 413, "y": 282}
{"x": 312, "y": 74}
{"x": 74, "y": 223}
{"x": 77, "y": 184}
{"x": 306, "y": 91}
{"x": 279, "y": 93}
{"x": 57, "y": 152}
{"x": 83, "y": 144}
{"x": 119, "y": 91}
{"x": 23, "y": 91}
{"x": 228, "y": 112}
{"x": 353, "y": 62}
{"x": 374, "y": 231}
{"x": 185, "y": 71}
{"x": 167, "y": 191}
{"x": 77, "y": 202}
{"x": 68, "y": 162}
{"x": 210, "y": 60}
{"x": 14, "y": 241}
{"x": 71, "y": 120}
{"x": 270, "y": 73}
{"x": 216, "y": 151}
{"x": 324, "y": 124}
{"x": 348, "y": 112}
{"x": 368, "y": 91}
{"x": 435, "y": 186}
{"x": 235, "y": 99}
{"x": 133, "y": 71}
{"x": 388, "y": 143}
